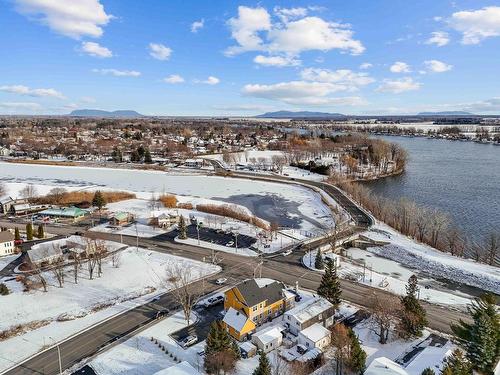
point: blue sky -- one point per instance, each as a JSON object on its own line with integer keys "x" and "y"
{"x": 243, "y": 58}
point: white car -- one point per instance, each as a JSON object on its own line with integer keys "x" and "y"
{"x": 188, "y": 341}
{"x": 221, "y": 281}
{"x": 212, "y": 301}
{"x": 286, "y": 253}
{"x": 230, "y": 243}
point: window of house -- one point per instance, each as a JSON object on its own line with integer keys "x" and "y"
{"x": 254, "y": 308}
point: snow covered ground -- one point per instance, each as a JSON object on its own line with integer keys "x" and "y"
{"x": 436, "y": 263}
{"x": 302, "y": 205}
{"x": 388, "y": 275}
{"x": 65, "y": 311}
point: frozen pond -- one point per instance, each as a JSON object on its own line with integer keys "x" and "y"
{"x": 290, "y": 206}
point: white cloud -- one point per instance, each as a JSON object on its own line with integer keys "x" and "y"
{"x": 96, "y": 50}
{"x": 25, "y": 90}
{"x": 347, "y": 78}
{"x": 399, "y": 85}
{"x": 488, "y": 105}
{"x": 13, "y": 107}
{"x": 117, "y": 73}
{"x": 313, "y": 33}
{"x": 254, "y": 30}
{"x": 197, "y": 25}
{"x": 286, "y": 14}
{"x": 437, "y": 66}
{"x": 439, "y": 38}
{"x": 301, "y": 93}
{"x": 476, "y": 25}
{"x": 278, "y": 61}
{"x": 246, "y": 27}
{"x": 159, "y": 51}
{"x": 400, "y": 67}
{"x": 70, "y": 18}
{"x": 173, "y": 78}
{"x": 211, "y": 80}
{"x": 366, "y": 66}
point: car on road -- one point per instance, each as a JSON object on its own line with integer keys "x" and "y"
{"x": 286, "y": 253}
{"x": 18, "y": 242}
{"x": 230, "y": 243}
{"x": 188, "y": 341}
{"x": 221, "y": 281}
{"x": 212, "y": 301}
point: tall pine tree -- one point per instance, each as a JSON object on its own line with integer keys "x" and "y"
{"x": 456, "y": 364}
{"x": 413, "y": 319}
{"x": 182, "y": 228}
{"x": 221, "y": 351}
{"x": 98, "y": 200}
{"x": 319, "y": 264}
{"x": 17, "y": 235}
{"x": 264, "y": 367}
{"x": 481, "y": 338}
{"x": 29, "y": 231}
{"x": 329, "y": 287}
{"x": 357, "y": 356}
{"x": 40, "y": 232}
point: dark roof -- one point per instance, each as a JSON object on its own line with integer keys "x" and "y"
{"x": 6, "y": 236}
{"x": 253, "y": 294}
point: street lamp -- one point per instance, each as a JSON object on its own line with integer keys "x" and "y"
{"x": 58, "y": 354}
{"x": 198, "y": 225}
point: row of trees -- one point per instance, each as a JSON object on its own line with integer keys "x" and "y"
{"x": 30, "y": 233}
{"x": 426, "y": 225}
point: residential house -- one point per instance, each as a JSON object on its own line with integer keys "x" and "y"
{"x": 120, "y": 218}
{"x": 194, "y": 163}
{"x": 164, "y": 220}
{"x": 315, "y": 310}
{"x": 315, "y": 336}
{"x": 6, "y": 243}
{"x": 182, "y": 368}
{"x": 6, "y": 203}
{"x": 259, "y": 300}
{"x": 269, "y": 338}
{"x": 238, "y": 324}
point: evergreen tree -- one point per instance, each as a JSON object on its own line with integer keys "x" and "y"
{"x": 319, "y": 264}
{"x": 98, "y": 200}
{"x": 428, "y": 371}
{"x": 182, "y": 228}
{"x": 413, "y": 318}
{"x": 221, "y": 351}
{"x": 147, "y": 157}
{"x": 134, "y": 156}
{"x": 141, "y": 151}
{"x": 456, "y": 364}
{"x": 29, "y": 231}
{"x": 481, "y": 338}
{"x": 4, "y": 291}
{"x": 17, "y": 235}
{"x": 357, "y": 356}
{"x": 41, "y": 232}
{"x": 329, "y": 287}
{"x": 264, "y": 367}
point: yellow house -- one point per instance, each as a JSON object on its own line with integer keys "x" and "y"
{"x": 251, "y": 303}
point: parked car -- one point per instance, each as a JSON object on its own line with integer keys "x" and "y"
{"x": 230, "y": 243}
{"x": 188, "y": 341}
{"x": 212, "y": 301}
{"x": 301, "y": 349}
{"x": 286, "y": 253}
{"x": 18, "y": 242}
{"x": 221, "y": 281}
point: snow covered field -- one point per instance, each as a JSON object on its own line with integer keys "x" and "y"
{"x": 65, "y": 311}
{"x": 301, "y": 205}
{"x": 436, "y": 263}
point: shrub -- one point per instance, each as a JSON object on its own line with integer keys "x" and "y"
{"x": 232, "y": 212}
{"x": 4, "y": 290}
{"x": 169, "y": 200}
{"x": 84, "y": 198}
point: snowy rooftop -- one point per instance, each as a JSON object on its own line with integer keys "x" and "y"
{"x": 384, "y": 366}
{"x": 183, "y": 368}
{"x": 269, "y": 334}
{"x": 316, "y": 332}
{"x": 235, "y": 319}
{"x": 309, "y": 309}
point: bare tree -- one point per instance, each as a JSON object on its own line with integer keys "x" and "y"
{"x": 57, "y": 194}
{"x": 36, "y": 270}
{"x": 76, "y": 264}
{"x": 455, "y": 242}
{"x": 437, "y": 224}
{"x": 341, "y": 343}
{"x": 279, "y": 366}
{"x": 421, "y": 223}
{"x": 492, "y": 248}
{"x": 116, "y": 259}
{"x": 180, "y": 276}
{"x": 3, "y": 189}
{"x": 29, "y": 192}
{"x": 384, "y": 314}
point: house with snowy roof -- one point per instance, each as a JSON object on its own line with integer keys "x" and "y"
{"x": 316, "y": 310}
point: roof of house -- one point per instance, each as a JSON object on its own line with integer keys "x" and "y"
{"x": 6, "y": 199}
{"x": 310, "y": 309}
{"x": 120, "y": 215}
{"x": 235, "y": 319}
{"x": 46, "y": 250}
{"x": 268, "y": 334}
{"x": 316, "y": 332}
{"x": 255, "y": 292}
{"x": 384, "y": 366}
{"x": 183, "y": 368}
{"x": 64, "y": 212}
{"x": 6, "y": 236}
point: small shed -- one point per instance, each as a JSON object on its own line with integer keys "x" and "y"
{"x": 120, "y": 218}
{"x": 315, "y": 336}
{"x": 268, "y": 339}
{"x": 247, "y": 349}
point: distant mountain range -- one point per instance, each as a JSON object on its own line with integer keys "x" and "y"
{"x": 100, "y": 113}
{"x": 446, "y": 113}
{"x": 299, "y": 114}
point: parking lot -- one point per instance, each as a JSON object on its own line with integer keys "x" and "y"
{"x": 215, "y": 236}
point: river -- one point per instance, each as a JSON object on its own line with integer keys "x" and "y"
{"x": 459, "y": 178}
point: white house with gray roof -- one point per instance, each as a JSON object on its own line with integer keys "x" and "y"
{"x": 304, "y": 315}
